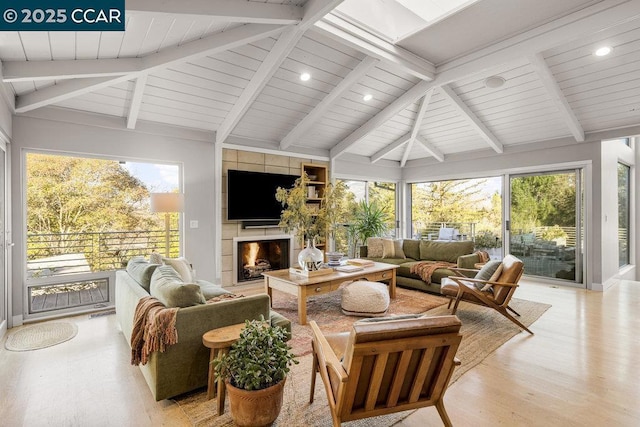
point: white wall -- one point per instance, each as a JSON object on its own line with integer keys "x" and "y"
{"x": 83, "y": 133}
{"x": 612, "y": 153}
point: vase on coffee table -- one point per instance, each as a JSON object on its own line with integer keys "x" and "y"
{"x": 310, "y": 258}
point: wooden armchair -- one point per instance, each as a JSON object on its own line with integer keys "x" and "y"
{"x": 494, "y": 293}
{"x": 386, "y": 365}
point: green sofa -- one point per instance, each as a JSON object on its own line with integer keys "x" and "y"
{"x": 415, "y": 251}
{"x": 184, "y": 366}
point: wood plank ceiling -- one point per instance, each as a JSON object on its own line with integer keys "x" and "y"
{"x": 237, "y": 73}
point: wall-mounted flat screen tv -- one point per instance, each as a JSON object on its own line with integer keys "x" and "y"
{"x": 251, "y": 196}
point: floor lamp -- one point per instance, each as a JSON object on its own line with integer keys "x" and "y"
{"x": 167, "y": 203}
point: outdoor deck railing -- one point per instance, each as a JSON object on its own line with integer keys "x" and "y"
{"x": 68, "y": 253}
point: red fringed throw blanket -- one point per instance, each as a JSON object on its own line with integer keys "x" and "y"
{"x": 426, "y": 268}
{"x": 154, "y": 329}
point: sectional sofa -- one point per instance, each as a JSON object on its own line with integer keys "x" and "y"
{"x": 408, "y": 252}
{"x": 183, "y": 366}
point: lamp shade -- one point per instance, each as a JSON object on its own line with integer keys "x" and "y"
{"x": 167, "y": 202}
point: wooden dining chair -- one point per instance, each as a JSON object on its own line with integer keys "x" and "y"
{"x": 386, "y": 365}
{"x": 495, "y": 293}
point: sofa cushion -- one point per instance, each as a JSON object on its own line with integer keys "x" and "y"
{"x": 209, "y": 290}
{"x": 411, "y": 248}
{"x": 167, "y": 286}
{"x": 444, "y": 251}
{"x": 394, "y": 261}
{"x": 392, "y": 249}
{"x": 182, "y": 267}
{"x": 404, "y": 270}
{"x": 141, "y": 271}
{"x": 374, "y": 247}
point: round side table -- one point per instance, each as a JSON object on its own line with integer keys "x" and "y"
{"x": 219, "y": 341}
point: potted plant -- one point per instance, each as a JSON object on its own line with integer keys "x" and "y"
{"x": 370, "y": 221}
{"x": 255, "y": 371}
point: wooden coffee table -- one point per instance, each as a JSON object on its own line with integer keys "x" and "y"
{"x": 304, "y": 287}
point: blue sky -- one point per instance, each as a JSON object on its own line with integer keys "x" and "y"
{"x": 158, "y": 178}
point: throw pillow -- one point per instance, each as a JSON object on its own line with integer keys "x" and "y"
{"x": 155, "y": 258}
{"x": 141, "y": 271}
{"x": 182, "y": 266}
{"x": 169, "y": 289}
{"x": 209, "y": 290}
{"x": 374, "y": 247}
{"x": 486, "y": 273}
{"x": 392, "y": 249}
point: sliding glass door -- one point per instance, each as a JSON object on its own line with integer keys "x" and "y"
{"x": 545, "y": 223}
{"x": 4, "y": 283}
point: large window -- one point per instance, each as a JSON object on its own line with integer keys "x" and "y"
{"x": 381, "y": 194}
{"x": 472, "y": 208}
{"x": 624, "y": 174}
{"x": 87, "y": 216}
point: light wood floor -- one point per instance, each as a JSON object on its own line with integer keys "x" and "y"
{"x": 582, "y": 368}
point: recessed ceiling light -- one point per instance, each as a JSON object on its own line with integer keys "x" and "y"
{"x": 305, "y": 76}
{"x": 368, "y": 97}
{"x": 494, "y": 82}
{"x": 603, "y": 51}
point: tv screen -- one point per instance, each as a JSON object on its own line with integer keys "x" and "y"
{"x": 251, "y": 196}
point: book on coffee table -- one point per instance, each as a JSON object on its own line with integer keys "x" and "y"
{"x": 349, "y": 268}
{"x": 360, "y": 262}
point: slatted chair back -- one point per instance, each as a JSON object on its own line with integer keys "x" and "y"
{"x": 397, "y": 365}
{"x": 509, "y": 272}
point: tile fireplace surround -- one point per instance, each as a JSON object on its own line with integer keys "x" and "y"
{"x": 253, "y": 255}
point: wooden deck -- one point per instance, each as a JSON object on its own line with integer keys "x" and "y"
{"x": 97, "y": 292}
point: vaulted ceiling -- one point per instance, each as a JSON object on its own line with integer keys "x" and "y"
{"x": 232, "y": 68}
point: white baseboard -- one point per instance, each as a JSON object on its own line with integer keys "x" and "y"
{"x": 17, "y": 321}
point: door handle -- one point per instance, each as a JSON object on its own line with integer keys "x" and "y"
{"x": 10, "y": 244}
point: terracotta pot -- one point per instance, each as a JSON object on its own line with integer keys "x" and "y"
{"x": 255, "y": 408}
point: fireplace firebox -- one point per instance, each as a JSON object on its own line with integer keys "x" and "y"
{"x": 256, "y": 255}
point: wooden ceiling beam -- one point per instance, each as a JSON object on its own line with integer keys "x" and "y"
{"x": 555, "y": 93}
{"x": 208, "y": 46}
{"x": 408, "y": 98}
{"x": 226, "y": 10}
{"x": 348, "y": 34}
{"x": 136, "y": 101}
{"x": 316, "y": 114}
{"x": 416, "y": 126}
{"x": 391, "y": 147}
{"x": 313, "y": 11}
{"x": 472, "y": 119}
{"x": 431, "y": 149}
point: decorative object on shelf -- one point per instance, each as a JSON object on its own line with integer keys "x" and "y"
{"x": 334, "y": 258}
{"x": 255, "y": 371}
{"x": 310, "y": 258}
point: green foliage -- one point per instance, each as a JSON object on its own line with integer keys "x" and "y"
{"x": 370, "y": 220}
{"x": 259, "y": 359}
{"x": 303, "y": 218}
{"x": 543, "y": 200}
{"x": 455, "y": 201}
{"x": 552, "y": 233}
{"x": 486, "y": 239}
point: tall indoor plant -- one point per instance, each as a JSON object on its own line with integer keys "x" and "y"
{"x": 255, "y": 371}
{"x": 370, "y": 220}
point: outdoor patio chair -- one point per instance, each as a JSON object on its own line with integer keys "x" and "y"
{"x": 495, "y": 293}
{"x": 386, "y": 365}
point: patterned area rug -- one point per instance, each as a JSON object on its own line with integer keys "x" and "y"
{"x": 39, "y": 336}
{"x": 325, "y": 310}
{"x": 483, "y": 331}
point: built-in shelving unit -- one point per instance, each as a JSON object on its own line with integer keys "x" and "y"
{"x": 318, "y": 177}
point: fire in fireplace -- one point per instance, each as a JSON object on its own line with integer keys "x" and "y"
{"x": 255, "y": 257}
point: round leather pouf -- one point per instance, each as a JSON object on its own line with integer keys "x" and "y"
{"x": 365, "y": 299}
